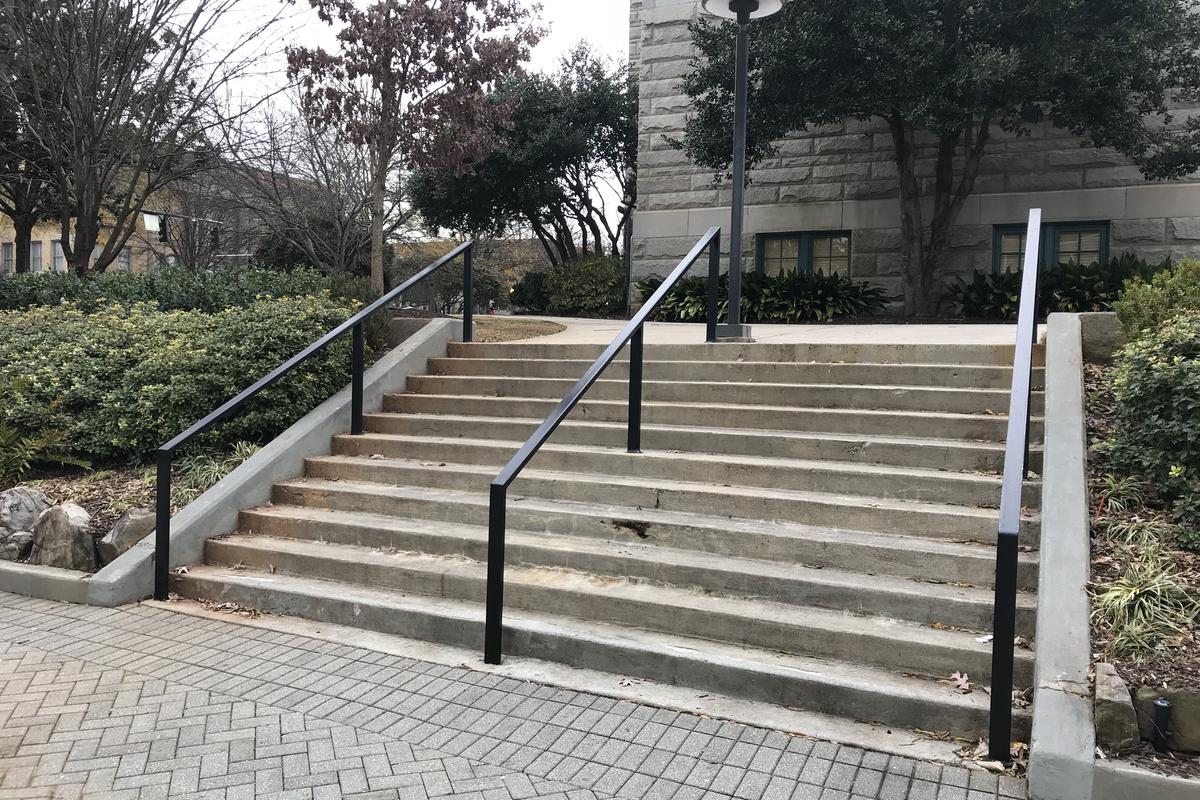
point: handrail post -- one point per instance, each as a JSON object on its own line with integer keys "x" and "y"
{"x": 714, "y": 279}
{"x": 468, "y": 294}
{"x": 635, "y": 391}
{"x": 356, "y": 381}
{"x": 1004, "y": 631}
{"x": 493, "y": 626}
{"x": 162, "y": 525}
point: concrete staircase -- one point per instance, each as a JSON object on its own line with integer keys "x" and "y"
{"x": 808, "y": 525}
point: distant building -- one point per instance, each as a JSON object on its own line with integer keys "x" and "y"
{"x": 827, "y": 200}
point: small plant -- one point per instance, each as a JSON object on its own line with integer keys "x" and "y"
{"x": 1137, "y": 532}
{"x": 1122, "y": 494}
{"x": 1147, "y": 606}
{"x": 200, "y": 471}
{"x": 19, "y": 454}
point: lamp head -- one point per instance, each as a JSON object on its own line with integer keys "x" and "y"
{"x": 735, "y": 9}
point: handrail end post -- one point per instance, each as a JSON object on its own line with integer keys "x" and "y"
{"x": 468, "y": 293}
{"x": 635, "y": 390}
{"x": 162, "y": 525}
{"x": 357, "y": 358}
{"x": 493, "y": 629}
{"x": 1003, "y": 645}
{"x": 714, "y": 279}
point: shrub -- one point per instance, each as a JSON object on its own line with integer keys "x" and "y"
{"x": 1156, "y": 386}
{"x": 173, "y": 288}
{"x": 787, "y": 298}
{"x": 122, "y": 380}
{"x": 1146, "y": 306}
{"x": 531, "y": 294}
{"x": 591, "y": 287}
{"x": 1147, "y": 606}
{"x": 1065, "y": 287}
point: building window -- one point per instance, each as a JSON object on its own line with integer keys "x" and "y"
{"x": 35, "y": 257}
{"x": 816, "y": 251}
{"x": 8, "y": 257}
{"x": 125, "y": 260}
{"x": 60, "y": 258}
{"x": 1061, "y": 243}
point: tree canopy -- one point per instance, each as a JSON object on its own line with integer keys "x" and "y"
{"x": 942, "y": 76}
{"x": 571, "y": 143}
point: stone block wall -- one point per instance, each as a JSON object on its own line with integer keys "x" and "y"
{"x": 842, "y": 177}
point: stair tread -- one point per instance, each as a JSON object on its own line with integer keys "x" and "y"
{"x": 731, "y": 407}
{"x": 649, "y": 360}
{"x": 774, "y": 569}
{"x": 488, "y": 472}
{"x": 763, "y": 433}
{"x": 844, "y": 674}
{"x": 694, "y": 456}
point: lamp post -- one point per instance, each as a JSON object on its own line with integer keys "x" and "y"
{"x": 742, "y": 11}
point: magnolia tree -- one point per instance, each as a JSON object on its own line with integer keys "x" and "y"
{"x": 942, "y": 76}
{"x": 410, "y": 81}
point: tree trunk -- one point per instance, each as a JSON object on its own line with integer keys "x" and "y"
{"x": 916, "y": 281}
{"x": 23, "y": 228}
{"x": 377, "y": 203}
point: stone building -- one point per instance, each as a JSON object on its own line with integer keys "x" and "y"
{"x": 828, "y": 199}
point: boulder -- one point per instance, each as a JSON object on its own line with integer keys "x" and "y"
{"x": 20, "y": 508}
{"x": 1116, "y": 721}
{"x": 15, "y": 545}
{"x": 133, "y": 526}
{"x": 61, "y": 539}
{"x": 1185, "y": 716}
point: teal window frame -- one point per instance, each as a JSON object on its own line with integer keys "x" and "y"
{"x": 804, "y": 253}
{"x": 1048, "y": 250}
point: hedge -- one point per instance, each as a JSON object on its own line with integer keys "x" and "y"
{"x": 1147, "y": 305}
{"x": 121, "y": 380}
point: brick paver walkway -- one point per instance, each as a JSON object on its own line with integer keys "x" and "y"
{"x": 142, "y": 702}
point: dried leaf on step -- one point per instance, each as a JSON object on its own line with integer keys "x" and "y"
{"x": 180, "y": 571}
{"x": 960, "y": 681}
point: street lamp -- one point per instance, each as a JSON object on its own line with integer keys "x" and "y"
{"x": 742, "y": 11}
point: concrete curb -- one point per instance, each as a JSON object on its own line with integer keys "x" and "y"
{"x": 130, "y": 577}
{"x": 1116, "y": 780}
{"x": 44, "y": 583}
{"x": 1062, "y": 748}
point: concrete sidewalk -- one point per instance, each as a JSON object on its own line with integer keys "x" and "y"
{"x": 602, "y": 331}
{"x": 142, "y": 702}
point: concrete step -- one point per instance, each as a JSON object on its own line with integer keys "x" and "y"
{"x": 841, "y": 477}
{"x": 857, "y": 422}
{"x": 899, "y": 398}
{"x": 833, "y": 687}
{"x": 353, "y": 485}
{"x": 629, "y": 546}
{"x": 941, "y": 375}
{"x": 846, "y": 631}
{"x": 957, "y": 354}
{"x": 937, "y": 454}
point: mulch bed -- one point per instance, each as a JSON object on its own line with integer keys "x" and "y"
{"x": 105, "y": 494}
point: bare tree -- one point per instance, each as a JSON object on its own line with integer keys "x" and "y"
{"x": 138, "y": 85}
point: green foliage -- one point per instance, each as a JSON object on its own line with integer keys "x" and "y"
{"x": 199, "y": 471}
{"x": 447, "y": 288}
{"x": 1147, "y": 607}
{"x": 1156, "y": 386}
{"x": 588, "y": 287}
{"x": 1148, "y": 304}
{"x": 19, "y": 454}
{"x": 531, "y": 293}
{"x": 122, "y": 380}
{"x": 1065, "y": 287}
{"x": 172, "y": 288}
{"x": 1123, "y": 494}
{"x": 786, "y": 298}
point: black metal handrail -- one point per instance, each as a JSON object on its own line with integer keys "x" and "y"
{"x": 1016, "y": 468}
{"x": 165, "y": 454}
{"x": 631, "y": 334}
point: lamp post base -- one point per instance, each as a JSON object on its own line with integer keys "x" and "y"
{"x": 733, "y": 333}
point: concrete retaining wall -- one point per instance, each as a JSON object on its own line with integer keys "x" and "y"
{"x": 130, "y": 577}
{"x": 1061, "y": 759}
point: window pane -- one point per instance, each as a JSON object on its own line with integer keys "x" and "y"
{"x": 1010, "y": 263}
{"x": 1012, "y": 244}
{"x": 791, "y": 249}
{"x": 771, "y": 248}
{"x": 35, "y": 257}
{"x": 60, "y": 261}
{"x": 7, "y": 257}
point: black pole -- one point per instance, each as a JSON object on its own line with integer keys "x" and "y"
{"x": 1162, "y": 726}
{"x": 739, "y": 168}
{"x": 1003, "y": 642}
{"x": 635, "y": 391}
{"x": 468, "y": 294}
{"x": 714, "y": 280}
{"x": 493, "y": 626}
{"x": 162, "y": 525}
{"x": 356, "y": 381}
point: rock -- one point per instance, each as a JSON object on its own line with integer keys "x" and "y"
{"x": 133, "y": 526}
{"x": 1116, "y": 721}
{"x": 20, "y": 508}
{"x": 61, "y": 539}
{"x": 1185, "y": 716}
{"x": 15, "y": 545}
